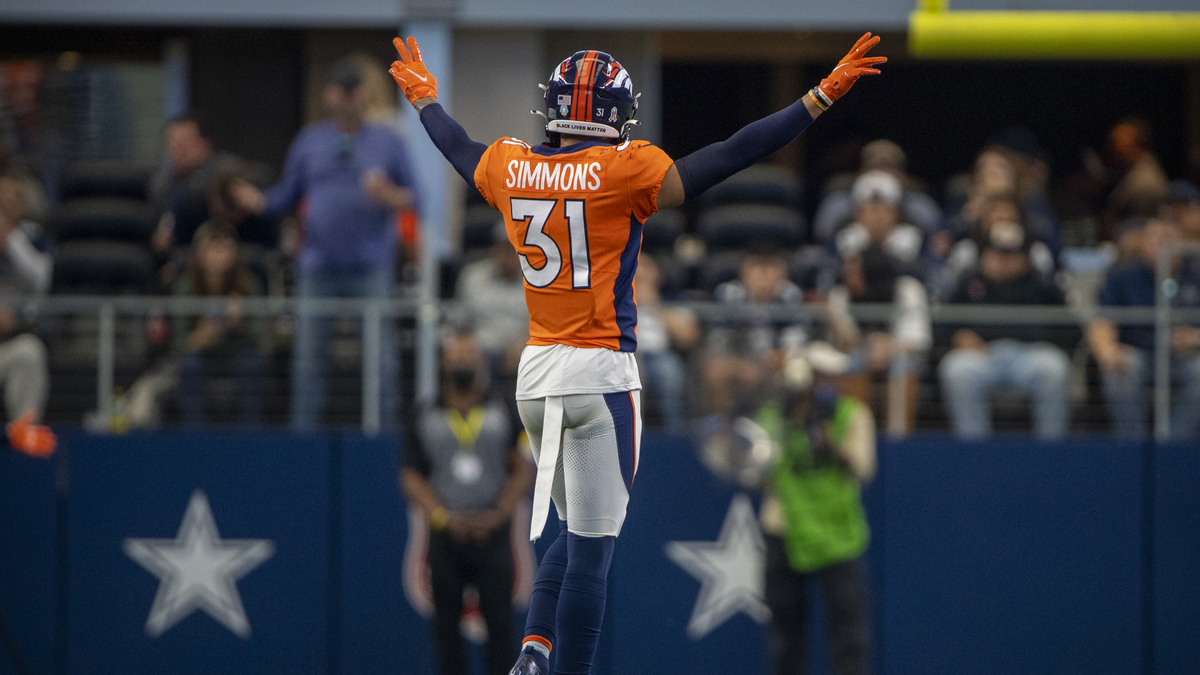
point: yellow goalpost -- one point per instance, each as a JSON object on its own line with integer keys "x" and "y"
{"x": 936, "y": 32}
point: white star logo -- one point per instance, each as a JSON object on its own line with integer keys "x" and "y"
{"x": 730, "y": 570}
{"x": 198, "y": 570}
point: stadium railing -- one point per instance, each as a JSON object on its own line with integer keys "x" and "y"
{"x": 419, "y": 321}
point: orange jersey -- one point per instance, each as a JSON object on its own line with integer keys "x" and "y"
{"x": 575, "y": 216}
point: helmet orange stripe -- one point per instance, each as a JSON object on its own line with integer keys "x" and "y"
{"x": 593, "y": 61}
{"x": 577, "y": 90}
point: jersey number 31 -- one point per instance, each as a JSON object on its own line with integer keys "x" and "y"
{"x": 535, "y": 212}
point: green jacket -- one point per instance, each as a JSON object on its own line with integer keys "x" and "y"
{"x": 821, "y": 500}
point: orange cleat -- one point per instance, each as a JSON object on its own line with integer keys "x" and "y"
{"x": 35, "y": 440}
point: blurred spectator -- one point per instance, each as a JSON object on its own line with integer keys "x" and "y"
{"x": 662, "y": 331}
{"x": 1034, "y": 165}
{"x": 493, "y": 291}
{"x": 998, "y": 174}
{"x": 740, "y": 351}
{"x": 380, "y": 92}
{"x": 24, "y": 374}
{"x": 223, "y": 344}
{"x": 16, "y": 193}
{"x": 1182, "y": 206}
{"x": 877, "y": 196}
{"x": 964, "y": 254}
{"x": 21, "y": 122}
{"x": 463, "y": 468}
{"x": 813, "y": 521}
{"x": 354, "y": 175}
{"x": 1141, "y": 183}
{"x": 1126, "y": 354}
{"x": 179, "y": 189}
{"x": 880, "y": 262}
{"x": 988, "y": 357}
{"x": 838, "y": 207}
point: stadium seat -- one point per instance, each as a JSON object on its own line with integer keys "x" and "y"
{"x": 106, "y": 178}
{"x": 661, "y": 231}
{"x": 736, "y": 225}
{"x": 100, "y": 267}
{"x": 479, "y": 223}
{"x": 719, "y": 268}
{"x": 759, "y": 184}
{"x": 109, "y": 218}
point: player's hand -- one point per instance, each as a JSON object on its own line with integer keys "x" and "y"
{"x": 410, "y": 72}
{"x": 853, "y": 66}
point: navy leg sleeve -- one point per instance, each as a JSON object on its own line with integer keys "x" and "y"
{"x": 452, "y": 140}
{"x": 714, "y": 163}
{"x": 543, "y": 602}
{"x": 581, "y": 603}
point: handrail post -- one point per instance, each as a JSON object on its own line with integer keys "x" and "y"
{"x": 427, "y": 379}
{"x": 372, "y": 358}
{"x": 427, "y": 323}
{"x": 104, "y": 365}
{"x": 1165, "y": 288}
{"x": 897, "y": 396}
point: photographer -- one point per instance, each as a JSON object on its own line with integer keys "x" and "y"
{"x": 813, "y": 520}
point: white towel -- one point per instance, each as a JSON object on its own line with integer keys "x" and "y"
{"x": 547, "y": 462}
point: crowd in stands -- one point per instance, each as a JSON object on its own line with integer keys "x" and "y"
{"x": 207, "y": 223}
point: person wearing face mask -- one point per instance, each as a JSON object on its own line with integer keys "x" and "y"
{"x": 880, "y": 261}
{"x": 462, "y": 467}
{"x": 988, "y": 357}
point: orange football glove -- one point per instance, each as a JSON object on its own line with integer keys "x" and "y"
{"x": 847, "y": 71}
{"x": 32, "y": 439}
{"x": 410, "y": 72}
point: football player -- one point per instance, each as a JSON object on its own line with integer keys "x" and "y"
{"x": 574, "y": 207}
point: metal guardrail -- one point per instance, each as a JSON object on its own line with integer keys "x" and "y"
{"x": 427, "y": 314}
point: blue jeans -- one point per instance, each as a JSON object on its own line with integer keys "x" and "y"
{"x": 1126, "y": 395}
{"x": 1037, "y": 369}
{"x": 310, "y": 354}
{"x": 196, "y": 369}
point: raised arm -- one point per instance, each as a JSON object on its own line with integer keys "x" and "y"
{"x": 714, "y": 163}
{"x": 420, "y": 88}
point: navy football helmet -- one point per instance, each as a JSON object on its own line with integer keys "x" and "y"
{"x": 589, "y": 94}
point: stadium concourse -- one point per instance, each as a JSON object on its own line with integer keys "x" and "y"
{"x": 233, "y": 261}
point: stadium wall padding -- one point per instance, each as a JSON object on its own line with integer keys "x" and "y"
{"x": 1004, "y": 556}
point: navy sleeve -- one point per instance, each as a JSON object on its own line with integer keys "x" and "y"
{"x": 714, "y": 163}
{"x": 453, "y": 142}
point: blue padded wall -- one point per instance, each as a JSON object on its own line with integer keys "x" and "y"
{"x": 1006, "y": 556}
